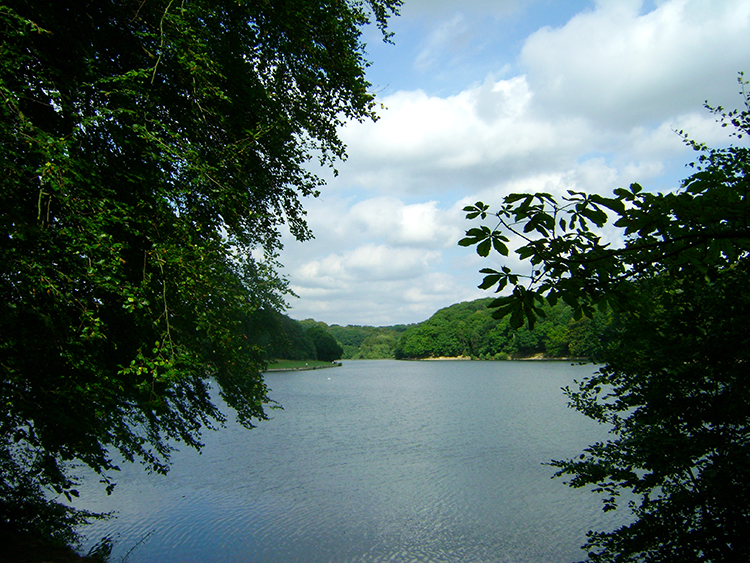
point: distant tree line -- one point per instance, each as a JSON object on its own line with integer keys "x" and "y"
{"x": 469, "y": 329}
{"x": 368, "y": 342}
{"x": 283, "y": 338}
{"x": 463, "y": 329}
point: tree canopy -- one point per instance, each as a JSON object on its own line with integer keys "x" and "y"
{"x": 287, "y": 339}
{"x": 367, "y": 342}
{"x": 463, "y": 329}
{"x": 674, "y": 385}
{"x": 152, "y": 150}
{"x": 469, "y": 329}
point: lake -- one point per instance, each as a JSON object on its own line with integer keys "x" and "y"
{"x": 374, "y": 461}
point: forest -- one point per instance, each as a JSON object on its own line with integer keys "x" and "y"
{"x": 153, "y": 152}
{"x": 469, "y": 329}
{"x": 465, "y": 329}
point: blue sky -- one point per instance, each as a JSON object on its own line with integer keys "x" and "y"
{"x": 482, "y": 98}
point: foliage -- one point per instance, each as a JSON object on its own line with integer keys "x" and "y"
{"x": 674, "y": 386}
{"x": 326, "y": 347}
{"x": 367, "y": 342}
{"x": 463, "y": 329}
{"x": 151, "y": 153}
{"x": 381, "y": 344}
{"x": 283, "y": 338}
{"x": 469, "y": 329}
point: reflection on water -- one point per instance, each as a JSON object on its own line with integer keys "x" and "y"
{"x": 374, "y": 461}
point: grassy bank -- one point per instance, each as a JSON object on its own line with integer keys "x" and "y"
{"x": 299, "y": 365}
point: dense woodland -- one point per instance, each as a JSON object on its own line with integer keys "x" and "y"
{"x": 282, "y": 338}
{"x": 469, "y": 329}
{"x": 152, "y": 152}
{"x": 465, "y": 329}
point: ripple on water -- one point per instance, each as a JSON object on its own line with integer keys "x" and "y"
{"x": 386, "y": 461}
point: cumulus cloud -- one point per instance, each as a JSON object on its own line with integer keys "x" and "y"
{"x": 384, "y": 265}
{"x": 345, "y": 222}
{"x": 427, "y": 143}
{"x": 596, "y": 107}
{"x": 371, "y": 298}
{"x": 611, "y": 81}
{"x": 620, "y": 67}
{"x": 366, "y": 263}
{"x": 420, "y": 224}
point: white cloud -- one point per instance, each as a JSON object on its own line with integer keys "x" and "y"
{"x": 420, "y": 224}
{"x": 597, "y": 108}
{"x": 365, "y": 263}
{"x": 377, "y": 286}
{"x": 612, "y": 81}
{"x": 378, "y": 263}
{"x": 620, "y": 67}
{"x": 427, "y": 143}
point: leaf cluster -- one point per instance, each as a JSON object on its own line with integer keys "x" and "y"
{"x": 701, "y": 227}
{"x": 367, "y": 342}
{"x": 152, "y": 152}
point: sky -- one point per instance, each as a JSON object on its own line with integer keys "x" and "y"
{"x": 481, "y": 98}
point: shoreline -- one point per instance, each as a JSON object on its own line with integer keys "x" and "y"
{"x": 444, "y": 358}
{"x": 535, "y": 358}
{"x": 303, "y": 368}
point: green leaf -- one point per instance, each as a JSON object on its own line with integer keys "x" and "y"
{"x": 517, "y": 317}
{"x": 614, "y": 204}
{"x": 490, "y": 281}
{"x": 525, "y": 252}
{"x": 512, "y": 198}
{"x": 498, "y": 245}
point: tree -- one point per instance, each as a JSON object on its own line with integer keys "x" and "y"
{"x": 326, "y": 347}
{"x": 468, "y": 329}
{"x": 152, "y": 150}
{"x": 675, "y": 386}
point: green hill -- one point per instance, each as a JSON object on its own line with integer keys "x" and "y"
{"x": 468, "y": 329}
{"x": 463, "y": 329}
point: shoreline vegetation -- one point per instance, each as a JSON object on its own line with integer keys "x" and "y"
{"x": 315, "y": 365}
{"x": 463, "y": 331}
{"x": 534, "y": 358}
{"x": 297, "y": 365}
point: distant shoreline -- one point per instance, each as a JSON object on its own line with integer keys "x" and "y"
{"x": 303, "y": 368}
{"x": 443, "y": 358}
{"x": 535, "y": 358}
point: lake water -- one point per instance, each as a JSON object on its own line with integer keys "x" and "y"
{"x": 371, "y": 462}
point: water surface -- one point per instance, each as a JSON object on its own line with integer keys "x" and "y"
{"x": 371, "y": 462}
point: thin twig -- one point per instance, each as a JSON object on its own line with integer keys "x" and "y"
{"x": 161, "y": 45}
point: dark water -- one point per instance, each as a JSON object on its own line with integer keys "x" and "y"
{"x": 371, "y": 462}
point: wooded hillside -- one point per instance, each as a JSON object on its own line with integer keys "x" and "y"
{"x": 468, "y": 329}
{"x": 283, "y": 338}
{"x": 463, "y": 329}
